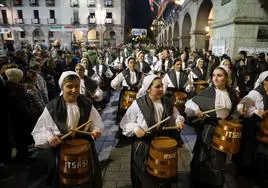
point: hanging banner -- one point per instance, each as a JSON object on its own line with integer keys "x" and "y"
{"x": 56, "y": 28}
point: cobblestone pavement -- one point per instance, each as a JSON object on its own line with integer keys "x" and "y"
{"x": 114, "y": 156}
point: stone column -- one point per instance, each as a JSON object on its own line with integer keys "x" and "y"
{"x": 198, "y": 40}
{"x": 176, "y": 42}
{"x": 185, "y": 41}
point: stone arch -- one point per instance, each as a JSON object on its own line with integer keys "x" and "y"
{"x": 109, "y": 37}
{"x": 170, "y": 37}
{"x": 165, "y": 36}
{"x": 38, "y": 35}
{"x": 92, "y": 34}
{"x": 186, "y": 29}
{"x": 203, "y": 22}
{"x": 176, "y": 34}
{"x": 77, "y": 36}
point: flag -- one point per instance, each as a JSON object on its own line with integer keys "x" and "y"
{"x": 151, "y": 2}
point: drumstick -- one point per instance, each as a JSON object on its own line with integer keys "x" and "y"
{"x": 152, "y": 127}
{"x": 170, "y": 128}
{"x": 82, "y": 132}
{"x": 71, "y": 132}
{"x": 206, "y": 112}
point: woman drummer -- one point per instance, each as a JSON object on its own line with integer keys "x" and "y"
{"x": 144, "y": 112}
{"x": 131, "y": 80}
{"x": 208, "y": 164}
{"x": 66, "y": 112}
{"x": 253, "y": 156}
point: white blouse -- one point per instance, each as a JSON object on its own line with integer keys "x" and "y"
{"x": 168, "y": 83}
{"x": 222, "y": 100}
{"x": 46, "y": 128}
{"x": 120, "y": 79}
{"x": 134, "y": 119}
{"x": 253, "y": 103}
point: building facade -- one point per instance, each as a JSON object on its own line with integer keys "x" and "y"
{"x": 99, "y": 22}
{"x": 223, "y": 26}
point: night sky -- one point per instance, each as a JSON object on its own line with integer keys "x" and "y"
{"x": 140, "y": 14}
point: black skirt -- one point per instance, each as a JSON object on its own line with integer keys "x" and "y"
{"x": 208, "y": 164}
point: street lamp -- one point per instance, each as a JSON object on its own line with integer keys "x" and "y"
{"x": 179, "y": 2}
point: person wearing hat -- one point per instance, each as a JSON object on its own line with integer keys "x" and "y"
{"x": 149, "y": 108}
{"x": 252, "y": 159}
{"x": 142, "y": 66}
{"x": 66, "y": 112}
{"x": 16, "y": 103}
{"x": 208, "y": 164}
{"x": 131, "y": 80}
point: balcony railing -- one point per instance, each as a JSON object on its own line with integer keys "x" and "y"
{"x": 3, "y": 21}
{"x": 108, "y": 20}
{"x": 17, "y": 3}
{"x": 19, "y": 20}
{"x": 91, "y": 3}
{"x": 50, "y": 3}
{"x": 35, "y": 21}
{"x": 33, "y": 3}
{"x": 75, "y": 21}
{"x": 74, "y": 3}
{"x": 92, "y": 21}
{"x": 51, "y": 20}
{"x": 108, "y": 3}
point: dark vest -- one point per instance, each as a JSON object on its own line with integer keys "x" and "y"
{"x": 104, "y": 69}
{"x": 147, "y": 108}
{"x": 90, "y": 85}
{"x": 58, "y": 112}
{"x": 262, "y": 91}
{"x": 138, "y": 76}
{"x": 182, "y": 80}
{"x": 199, "y": 74}
{"x": 145, "y": 67}
{"x": 206, "y": 100}
{"x": 169, "y": 65}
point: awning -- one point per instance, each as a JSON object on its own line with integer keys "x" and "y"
{"x": 16, "y": 28}
{"x": 4, "y": 30}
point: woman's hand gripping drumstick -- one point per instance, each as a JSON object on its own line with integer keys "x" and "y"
{"x": 201, "y": 114}
{"x": 141, "y": 132}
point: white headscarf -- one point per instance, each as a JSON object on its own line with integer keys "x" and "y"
{"x": 198, "y": 61}
{"x": 127, "y": 60}
{"x": 261, "y": 78}
{"x": 145, "y": 85}
{"x": 64, "y": 75}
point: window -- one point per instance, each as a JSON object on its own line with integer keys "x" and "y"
{"x": 20, "y": 14}
{"x": 52, "y": 14}
{"x": 36, "y": 14}
{"x": 91, "y": 3}
{"x": 74, "y": 3}
{"x": 91, "y": 18}
{"x": 109, "y": 15}
{"x": 9, "y": 35}
{"x": 22, "y": 34}
{"x": 50, "y": 34}
{"x": 75, "y": 17}
{"x": 50, "y": 2}
{"x": 33, "y": 2}
{"x": 17, "y": 2}
{"x": 4, "y": 16}
{"x": 108, "y": 2}
{"x": 36, "y": 33}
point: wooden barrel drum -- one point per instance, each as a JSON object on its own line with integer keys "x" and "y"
{"x": 75, "y": 163}
{"x": 128, "y": 98}
{"x": 162, "y": 160}
{"x": 200, "y": 85}
{"x": 180, "y": 100}
{"x": 227, "y": 136}
{"x": 262, "y": 134}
